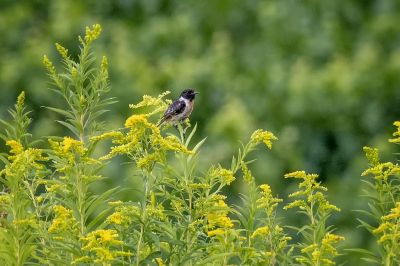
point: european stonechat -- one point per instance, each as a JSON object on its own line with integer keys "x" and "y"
{"x": 180, "y": 109}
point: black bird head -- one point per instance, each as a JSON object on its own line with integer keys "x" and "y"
{"x": 189, "y": 94}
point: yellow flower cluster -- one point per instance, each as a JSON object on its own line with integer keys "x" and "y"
{"x": 39, "y": 199}
{"x": 104, "y": 65}
{"x": 124, "y": 215}
{"x": 23, "y": 160}
{"x": 283, "y": 239}
{"x": 126, "y": 144}
{"x": 267, "y": 201}
{"x": 158, "y": 103}
{"x": 148, "y": 161}
{"x": 383, "y": 171}
{"x": 101, "y": 237}
{"x": 134, "y": 120}
{"x": 396, "y": 134}
{"x": 116, "y": 203}
{"x": 150, "y": 101}
{"x": 49, "y": 65}
{"x": 389, "y": 228}
{"x": 322, "y": 254}
{"x": 15, "y": 147}
{"x": 263, "y": 136}
{"x": 69, "y": 151}
{"x": 67, "y": 147}
{"x": 143, "y": 136}
{"x": 62, "y": 51}
{"x": 103, "y": 243}
{"x": 216, "y": 232}
{"x": 74, "y": 75}
{"x": 24, "y": 222}
{"x": 218, "y": 217}
{"x": 301, "y": 175}
{"x": 372, "y": 155}
{"x": 115, "y": 218}
{"x": 55, "y": 188}
{"x": 177, "y": 205}
{"x": 310, "y": 192}
{"x": 199, "y": 186}
{"x": 20, "y": 100}
{"x": 117, "y": 136}
{"x": 225, "y": 176}
{"x": 172, "y": 143}
{"x": 63, "y": 222}
{"x": 156, "y": 212}
{"x": 70, "y": 144}
{"x": 270, "y": 232}
{"x": 247, "y": 176}
{"x": 92, "y": 33}
{"x": 4, "y": 200}
{"x": 261, "y": 232}
{"x": 159, "y": 262}
{"x": 276, "y": 233}
{"x": 394, "y": 213}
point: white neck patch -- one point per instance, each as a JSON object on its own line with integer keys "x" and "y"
{"x": 184, "y": 99}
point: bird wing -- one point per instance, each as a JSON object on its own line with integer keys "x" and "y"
{"x": 175, "y": 108}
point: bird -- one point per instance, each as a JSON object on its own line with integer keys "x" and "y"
{"x": 180, "y": 109}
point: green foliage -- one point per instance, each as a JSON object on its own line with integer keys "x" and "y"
{"x": 82, "y": 87}
{"x": 322, "y": 75}
{"x": 20, "y": 178}
{"x": 51, "y": 214}
{"x": 383, "y": 193}
{"x": 317, "y": 248}
{"x": 17, "y": 129}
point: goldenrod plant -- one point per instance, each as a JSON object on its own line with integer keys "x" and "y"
{"x": 383, "y": 193}
{"x": 318, "y": 243}
{"x": 21, "y": 207}
{"x": 50, "y": 214}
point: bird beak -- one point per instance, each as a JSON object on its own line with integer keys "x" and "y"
{"x": 196, "y": 92}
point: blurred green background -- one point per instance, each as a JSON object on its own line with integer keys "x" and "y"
{"x": 322, "y": 75}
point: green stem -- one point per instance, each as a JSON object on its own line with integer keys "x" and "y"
{"x": 81, "y": 191}
{"x": 144, "y": 217}
{"x": 225, "y": 244}
{"x": 17, "y": 247}
{"x": 387, "y": 185}
{"x": 82, "y": 133}
{"x": 16, "y": 235}
{"x": 252, "y": 211}
{"x": 271, "y": 244}
{"x": 139, "y": 244}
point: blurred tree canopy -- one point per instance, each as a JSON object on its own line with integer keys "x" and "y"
{"x": 322, "y": 75}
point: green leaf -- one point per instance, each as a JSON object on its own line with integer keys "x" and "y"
{"x": 190, "y": 135}
{"x": 67, "y": 114}
{"x": 365, "y": 225}
{"x": 149, "y": 259}
{"x": 70, "y": 127}
{"x": 214, "y": 257}
{"x": 96, "y": 200}
{"x": 195, "y": 149}
{"x": 376, "y": 261}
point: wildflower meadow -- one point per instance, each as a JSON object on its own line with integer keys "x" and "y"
{"x": 50, "y": 213}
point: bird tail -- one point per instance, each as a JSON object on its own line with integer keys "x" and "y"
{"x": 162, "y": 120}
